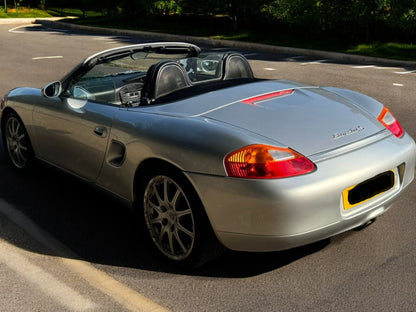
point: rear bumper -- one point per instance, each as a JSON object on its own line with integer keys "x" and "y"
{"x": 269, "y": 215}
{"x": 262, "y": 243}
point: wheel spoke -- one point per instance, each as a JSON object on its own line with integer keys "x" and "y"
{"x": 20, "y": 157}
{"x": 11, "y": 128}
{"x": 186, "y": 231}
{"x": 175, "y": 198}
{"x": 182, "y": 213}
{"x": 157, "y": 220}
{"x": 171, "y": 247}
{"x": 16, "y": 128}
{"x": 161, "y": 234}
{"x": 10, "y": 141}
{"x": 155, "y": 207}
{"x": 156, "y": 193}
{"x": 178, "y": 239}
{"x": 165, "y": 191}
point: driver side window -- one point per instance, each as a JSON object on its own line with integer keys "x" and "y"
{"x": 96, "y": 85}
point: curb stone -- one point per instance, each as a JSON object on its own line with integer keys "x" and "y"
{"x": 28, "y": 20}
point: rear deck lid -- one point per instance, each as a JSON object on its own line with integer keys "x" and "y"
{"x": 310, "y": 120}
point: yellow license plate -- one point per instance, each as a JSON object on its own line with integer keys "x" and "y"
{"x": 368, "y": 189}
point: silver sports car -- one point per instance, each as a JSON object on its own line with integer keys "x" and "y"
{"x": 209, "y": 156}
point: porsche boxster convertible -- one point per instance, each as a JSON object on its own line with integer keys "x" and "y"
{"x": 209, "y": 156}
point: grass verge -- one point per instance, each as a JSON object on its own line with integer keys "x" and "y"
{"x": 23, "y": 13}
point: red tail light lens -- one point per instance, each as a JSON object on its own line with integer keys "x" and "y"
{"x": 266, "y": 162}
{"x": 390, "y": 122}
{"x": 268, "y": 96}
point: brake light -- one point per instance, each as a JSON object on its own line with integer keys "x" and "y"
{"x": 266, "y": 162}
{"x": 268, "y": 96}
{"x": 390, "y": 122}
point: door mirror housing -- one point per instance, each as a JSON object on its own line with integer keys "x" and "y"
{"x": 52, "y": 89}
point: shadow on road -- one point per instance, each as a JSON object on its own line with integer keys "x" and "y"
{"x": 254, "y": 53}
{"x": 100, "y": 230}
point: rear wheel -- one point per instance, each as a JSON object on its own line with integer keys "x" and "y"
{"x": 169, "y": 218}
{"x": 176, "y": 221}
{"x": 16, "y": 142}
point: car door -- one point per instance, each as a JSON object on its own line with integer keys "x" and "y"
{"x": 73, "y": 133}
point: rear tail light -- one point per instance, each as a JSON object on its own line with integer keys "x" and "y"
{"x": 390, "y": 122}
{"x": 266, "y": 162}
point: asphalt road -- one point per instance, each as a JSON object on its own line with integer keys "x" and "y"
{"x": 49, "y": 221}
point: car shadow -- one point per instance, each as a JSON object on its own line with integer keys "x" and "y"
{"x": 98, "y": 229}
{"x": 234, "y": 264}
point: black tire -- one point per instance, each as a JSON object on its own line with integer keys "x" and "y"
{"x": 17, "y": 143}
{"x": 175, "y": 221}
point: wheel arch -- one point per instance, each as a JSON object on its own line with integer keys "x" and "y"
{"x": 149, "y": 166}
{"x": 7, "y": 111}
{"x": 210, "y": 247}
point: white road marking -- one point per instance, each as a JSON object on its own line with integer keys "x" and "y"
{"x": 386, "y": 67}
{"x": 314, "y": 62}
{"x": 50, "y": 30}
{"x": 406, "y": 72}
{"x": 104, "y": 38}
{"x": 293, "y": 59}
{"x": 15, "y": 259}
{"x": 124, "y": 295}
{"x": 111, "y": 39}
{"x": 47, "y": 57}
{"x": 398, "y": 85}
{"x": 363, "y": 66}
{"x": 15, "y": 29}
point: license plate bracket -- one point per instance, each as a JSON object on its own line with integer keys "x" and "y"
{"x": 368, "y": 189}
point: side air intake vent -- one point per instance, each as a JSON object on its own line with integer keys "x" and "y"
{"x": 116, "y": 153}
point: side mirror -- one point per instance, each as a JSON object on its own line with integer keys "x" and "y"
{"x": 52, "y": 89}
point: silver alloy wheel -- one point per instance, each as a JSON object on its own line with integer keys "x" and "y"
{"x": 169, "y": 218}
{"x": 17, "y": 142}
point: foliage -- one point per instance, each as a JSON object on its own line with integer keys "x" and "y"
{"x": 353, "y": 20}
{"x": 368, "y": 18}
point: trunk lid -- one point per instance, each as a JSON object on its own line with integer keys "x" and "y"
{"x": 310, "y": 120}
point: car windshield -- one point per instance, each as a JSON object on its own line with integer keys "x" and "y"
{"x": 207, "y": 66}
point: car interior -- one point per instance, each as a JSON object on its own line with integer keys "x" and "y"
{"x": 169, "y": 81}
{"x": 129, "y": 84}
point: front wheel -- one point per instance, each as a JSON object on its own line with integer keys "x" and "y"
{"x": 176, "y": 222}
{"x": 17, "y": 143}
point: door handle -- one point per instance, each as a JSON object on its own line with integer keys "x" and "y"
{"x": 100, "y": 131}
